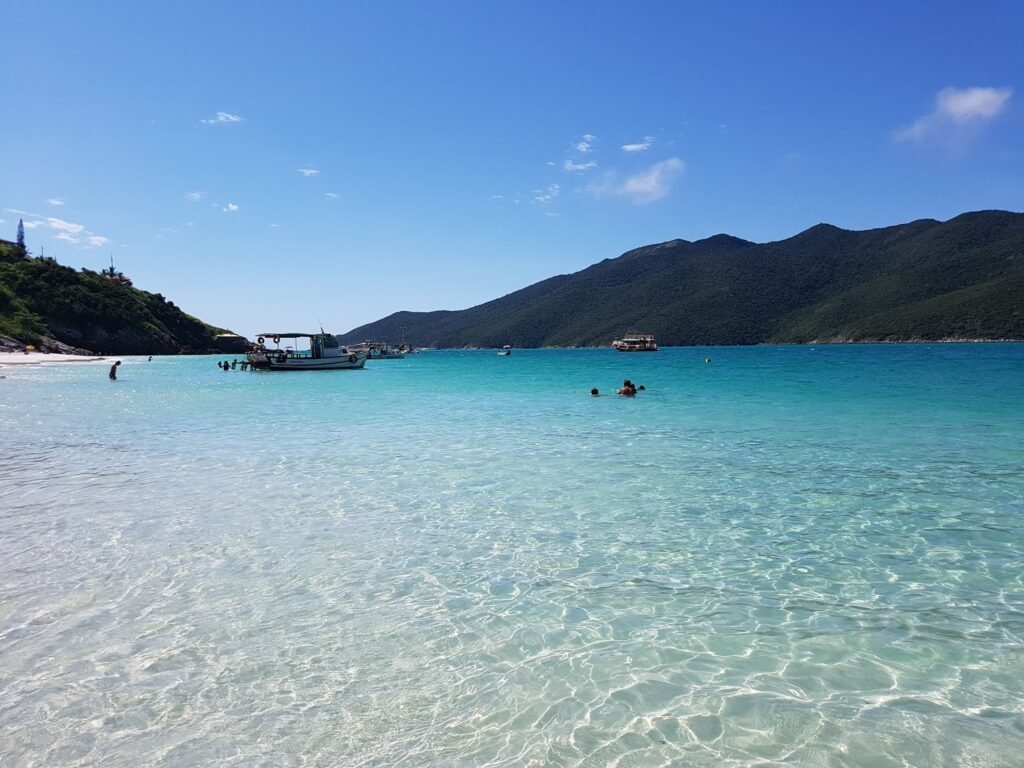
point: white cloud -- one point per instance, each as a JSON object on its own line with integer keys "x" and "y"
{"x": 230, "y": 208}
{"x": 65, "y": 226}
{"x": 545, "y": 196}
{"x": 55, "y": 201}
{"x": 585, "y": 144}
{"x": 223, "y": 118}
{"x": 957, "y": 110}
{"x": 308, "y": 171}
{"x": 68, "y": 231}
{"x": 644, "y": 187}
{"x": 574, "y": 167}
{"x": 274, "y": 226}
{"x": 640, "y": 146}
{"x": 331, "y": 195}
{"x": 195, "y": 197}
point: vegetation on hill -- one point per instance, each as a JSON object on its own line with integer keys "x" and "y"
{"x": 52, "y": 306}
{"x": 925, "y": 280}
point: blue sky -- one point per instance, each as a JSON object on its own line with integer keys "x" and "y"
{"x": 334, "y": 162}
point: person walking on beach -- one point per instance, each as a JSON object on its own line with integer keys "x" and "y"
{"x": 113, "y": 371}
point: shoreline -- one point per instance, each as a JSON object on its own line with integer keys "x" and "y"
{"x": 39, "y": 358}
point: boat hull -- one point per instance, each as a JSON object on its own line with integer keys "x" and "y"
{"x": 316, "y": 365}
{"x": 276, "y": 363}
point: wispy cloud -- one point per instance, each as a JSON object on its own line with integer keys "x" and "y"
{"x": 55, "y": 201}
{"x": 639, "y": 146}
{"x": 68, "y": 231}
{"x": 645, "y": 187}
{"x": 331, "y": 195}
{"x": 546, "y": 196}
{"x": 230, "y": 208}
{"x": 958, "y": 112}
{"x": 578, "y": 162}
{"x": 573, "y": 167}
{"x": 195, "y": 197}
{"x": 308, "y": 171}
{"x": 223, "y": 118}
{"x": 65, "y": 226}
{"x": 585, "y": 144}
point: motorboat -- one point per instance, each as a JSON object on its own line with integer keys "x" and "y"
{"x": 505, "y": 351}
{"x": 324, "y": 354}
{"x": 379, "y": 350}
{"x": 635, "y": 342}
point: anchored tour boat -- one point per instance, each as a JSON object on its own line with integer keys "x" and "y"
{"x": 324, "y": 354}
{"x": 636, "y": 342}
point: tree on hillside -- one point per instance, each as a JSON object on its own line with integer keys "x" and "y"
{"x": 21, "y": 235}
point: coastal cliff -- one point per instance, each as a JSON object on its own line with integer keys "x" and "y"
{"x": 57, "y": 309}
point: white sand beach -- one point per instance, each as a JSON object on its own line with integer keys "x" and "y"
{"x": 36, "y": 358}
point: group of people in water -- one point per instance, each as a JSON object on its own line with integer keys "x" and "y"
{"x": 226, "y": 366}
{"x": 628, "y": 389}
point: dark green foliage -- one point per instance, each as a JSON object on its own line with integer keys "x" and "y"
{"x": 86, "y": 310}
{"x": 925, "y": 280}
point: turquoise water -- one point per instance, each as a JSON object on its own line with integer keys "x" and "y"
{"x": 805, "y": 556}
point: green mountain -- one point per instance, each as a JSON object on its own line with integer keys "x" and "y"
{"x": 926, "y": 280}
{"x": 54, "y": 307}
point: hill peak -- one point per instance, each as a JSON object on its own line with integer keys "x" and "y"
{"x": 723, "y": 240}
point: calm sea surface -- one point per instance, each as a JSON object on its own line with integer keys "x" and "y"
{"x": 800, "y": 556}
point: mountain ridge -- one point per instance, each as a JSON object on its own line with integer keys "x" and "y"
{"x": 920, "y": 280}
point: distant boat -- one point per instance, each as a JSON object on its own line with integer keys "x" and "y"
{"x": 324, "y": 354}
{"x": 379, "y": 350}
{"x": 505, "y": 351}
{"x": 635, "y": 342}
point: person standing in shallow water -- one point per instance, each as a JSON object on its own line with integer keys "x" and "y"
{"x": 113, "y": 371}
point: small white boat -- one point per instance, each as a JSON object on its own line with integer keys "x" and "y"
{"x": 324, "y": 354}
{"x": 505, "y": 351}
{"x": 635, "y": 342}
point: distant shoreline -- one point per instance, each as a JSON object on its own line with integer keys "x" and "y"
{"x": 39, "y": 358}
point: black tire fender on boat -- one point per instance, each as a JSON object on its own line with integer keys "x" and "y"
{"x": 277, "y": 339}
{"x": 352, "y": 358}
{"x": 260, "y": 340}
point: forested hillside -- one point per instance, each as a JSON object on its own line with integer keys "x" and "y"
{"x": 925, "y": 280}
{"x": 52, "y": 306}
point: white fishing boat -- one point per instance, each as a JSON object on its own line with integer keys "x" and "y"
{"x": 505, "y": 351}
{"x": 324, "y": 354}
{"x": 635, "y": 342}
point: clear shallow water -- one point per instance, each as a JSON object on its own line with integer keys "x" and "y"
{"x": 792, "y": 556}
